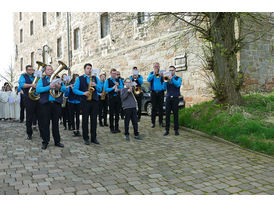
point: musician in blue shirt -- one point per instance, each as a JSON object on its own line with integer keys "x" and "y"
{"x": 50, "y": 108}
{"x": 25, "y": 83}
{"x": 112, "y": 87}
{"x": 157, "y": 94}
{"x": 172, "y": 99}
{"x": 74, "y": 107}
{"x": 89, "y": 107}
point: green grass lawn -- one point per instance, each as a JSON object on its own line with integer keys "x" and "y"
{"x": 251, "y": 126}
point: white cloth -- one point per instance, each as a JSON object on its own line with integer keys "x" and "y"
{"x": 10, "y": 105}
{"x": 5, "y": 97}
{"x": 1, "y": 105}
{"x": 16, "y": 105}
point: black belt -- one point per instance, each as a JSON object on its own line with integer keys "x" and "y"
{"x": 157, "y": 92}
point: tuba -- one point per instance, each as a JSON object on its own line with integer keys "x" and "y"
{"x": 53, "y": 92}
{"x": 32, "y": 91}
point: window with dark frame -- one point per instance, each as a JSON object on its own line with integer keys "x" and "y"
{"x": 32, "y": 58}
{"x": 31, "y": 27}
{"x": 104, "y": 25}
{"x": 21, "y": 64}
{"x": 20, "y": 16}
{"x": 21, "y": 35}
{"x": 59, "y": 47}
{"x": 44, "y": 18}
{"x": 141, "y": 17}
{"x": 76, "y": 40}
{"x": 58, "y": 14}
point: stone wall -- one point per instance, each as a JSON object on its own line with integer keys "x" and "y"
{"x": 256, "y": 60}
{"x": 128, "y": 44}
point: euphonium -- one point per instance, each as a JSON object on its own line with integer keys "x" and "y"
{"x": 32, "y": 91}
{"x": 90, "y": 89}
{"x": 53, "y": 92}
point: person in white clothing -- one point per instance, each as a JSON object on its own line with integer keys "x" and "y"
{"x": 2, "y": 104}
{"x": 17, "y": 100}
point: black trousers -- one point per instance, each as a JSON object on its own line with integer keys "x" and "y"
{"x": 131, "y": 114}
{"x": 74, "y": 115}
{"x": 139, "y": 99}
{"x": 172, "y": 104}
{"x": 103, "y": 109}
{"x": 65, "y": 116}
{"x": 31, "y": 114}
{"x": 89, "y": 109}
{"x": 50, "y": 111}
{"x": 114, "y": 109}
{"x": 22, "y": 107}
{"x": 157, "y": 100}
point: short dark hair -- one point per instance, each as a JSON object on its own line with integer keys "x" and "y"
{"x": 87, "y": 64}
{"x": 28, "y": 66}
{"x": 172, "y": 67}
{"x": 113, "y": 70}
{"x": 134, "y": 68}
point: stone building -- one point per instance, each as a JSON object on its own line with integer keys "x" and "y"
{"x": 110, "y": 40}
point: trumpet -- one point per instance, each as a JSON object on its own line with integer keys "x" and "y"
{"x": 32, "y": 91}
{"x": 53, "y": 92}
{"x": 166, "y": 76}
{"x": 157, "y": 75}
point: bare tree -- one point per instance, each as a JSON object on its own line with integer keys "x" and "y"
{"x": 9, "y": 74}
{"x": 218, "y": 31}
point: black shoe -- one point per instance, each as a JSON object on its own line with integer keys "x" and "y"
{"x": 29, "y": 137}
{"x": 78, "y": 134}
{"x": 87, "y": 142}
{"x": 95, "y": 142}
{"x": 117, "y": 131}
{"x": 65, "y": 128}
{"x": 101, "y": 124}
{"x": 21, "y": 121}
{"x": 176, "y": 133}
{"x": 106, "y": 124}
{"x": 138, "y": 137}
{"x": 127, "y": 137}
{"x": 59, "y": 144}
{"x": 44, "y": 146}
{"x": 166, "y": 133}
{"x": 112, "y": 131}
{"x": 153, "y": 126}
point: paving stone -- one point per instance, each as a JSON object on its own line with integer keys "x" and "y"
{"x": 185, "y": 164}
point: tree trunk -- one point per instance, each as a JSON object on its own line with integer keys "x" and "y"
{"x": 223, "y": 39}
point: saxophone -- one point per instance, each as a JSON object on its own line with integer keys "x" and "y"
{"x": 32, "y": 91}
{"x": 103, "y": 97}
{"x": 90, "y": 89}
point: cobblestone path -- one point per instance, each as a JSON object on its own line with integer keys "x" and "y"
{"x": 185, "y": 164}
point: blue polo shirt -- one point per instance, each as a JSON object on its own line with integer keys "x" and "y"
{"x": 140, "y": 79}
{"x": 107, "y": 89}
{"x": 40, "y": 88}
{"x": 22, "y": 80}
{"x": 76, "y": 86}
{"x": 157, "y": 84}
{"x": 174, "y": 82}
